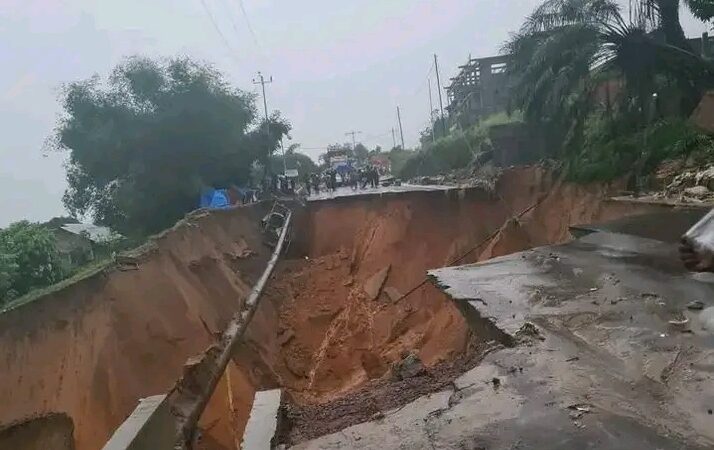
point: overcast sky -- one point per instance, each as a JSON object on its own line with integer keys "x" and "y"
{"x": 337, "y": 65}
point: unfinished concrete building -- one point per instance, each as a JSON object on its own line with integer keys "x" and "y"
{"x": 480, "y": 89}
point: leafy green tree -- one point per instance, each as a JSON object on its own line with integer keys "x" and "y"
{"x": 144, "y": 143}
{"x": 361, "y": 153}
{"x": 28, "y": 259}
{"x": 567, "y": 48}
{"x": 398, "y": 159}
{"x": 293, "y": 160}
{"x": 8, "y": 274}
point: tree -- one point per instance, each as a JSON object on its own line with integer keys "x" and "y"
{"x": 293, "y": 160}
{"x": 144, "y": 143}
{"x": 28, "y": 259}
{"x": 361, "y": 153}
{"x": 292, "y": 149}
{"x": 398, "y": 159}
{"x": 567, "y": 48}
{"x": 664, "y": 15}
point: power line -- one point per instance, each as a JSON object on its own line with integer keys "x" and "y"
{"x": 424, "y": 86}
{"x": 353, "y": 133}
{"x": 230, "y": 18}
{"x": 372, "y": 137}
{"x": 247, "y": 23}
{"x": 489, "y": 238}
{"x": 218, "y": 30}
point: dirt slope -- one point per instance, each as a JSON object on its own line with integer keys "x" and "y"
{"x": 93, "y": 349}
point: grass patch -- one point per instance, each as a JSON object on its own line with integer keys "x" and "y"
{"x": 611, "y": 151}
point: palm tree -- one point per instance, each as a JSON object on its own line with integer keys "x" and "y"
{"x": 567, "y": 48}
{"x": 664, "y": 14}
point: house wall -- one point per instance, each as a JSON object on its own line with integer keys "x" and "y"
{"x": 73, "y": 248}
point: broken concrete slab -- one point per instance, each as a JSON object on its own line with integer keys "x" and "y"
{"x": 263, "y": 424}
{"x": 666, "y": 226}
{"x": 150, "y": 426}
{"x": 637, "y": 370}
{"x": 402, "y": 428}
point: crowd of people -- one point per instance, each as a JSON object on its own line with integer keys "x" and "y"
{"x": 328, "y": 180}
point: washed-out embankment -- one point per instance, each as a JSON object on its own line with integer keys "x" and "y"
{"x": 331, "y": 319}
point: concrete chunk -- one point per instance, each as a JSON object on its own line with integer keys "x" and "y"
{"x": 263, "y": 423}
{"x": 150, "y": 426}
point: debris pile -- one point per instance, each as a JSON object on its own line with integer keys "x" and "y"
{"x": 694, "y": 185}
{"x": 483, "y": 178}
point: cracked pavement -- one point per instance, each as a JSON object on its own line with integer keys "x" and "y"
{"x": 608, "y": 367}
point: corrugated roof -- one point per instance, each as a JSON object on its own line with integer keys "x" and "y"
{"x": 94, "y": 233}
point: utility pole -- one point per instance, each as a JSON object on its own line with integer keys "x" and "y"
{"x": 431, "y": 112}
{"x": 261, "y": 81}
{"x": 285, "y": 161}
{"x": 438, "y": 87}
{"x": 401, "y": 132}
{"x": 394, "y": 140}
{"x": 353, "y": 133}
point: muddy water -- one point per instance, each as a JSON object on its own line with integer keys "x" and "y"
{"x": 327, "y": 324}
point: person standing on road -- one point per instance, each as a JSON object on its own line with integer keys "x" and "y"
{"x": 316, "y": 183}
{"x": 333, "y": 180}
{"x": 306, "y": 182}
{"x": 364, "y": 177}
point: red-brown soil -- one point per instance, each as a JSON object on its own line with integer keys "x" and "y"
{"x": 326, "y": 327}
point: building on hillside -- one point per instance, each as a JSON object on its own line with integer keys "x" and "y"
{"x": 80, "y": 243}
{"x": 480, "y": 89}
{"x": 482, "y": 86}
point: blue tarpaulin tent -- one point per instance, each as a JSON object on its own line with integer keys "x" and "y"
{"x": 215, "y": 199}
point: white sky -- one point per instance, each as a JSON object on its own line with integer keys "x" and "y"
{"x": 337, "y": 65}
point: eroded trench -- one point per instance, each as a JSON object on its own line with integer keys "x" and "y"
{"x": 332, "y": 326}
{"x": 350, "y": 301}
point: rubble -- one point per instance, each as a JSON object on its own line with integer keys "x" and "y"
{"x": 409, "y": 367}
{"x": 686, "y": 185}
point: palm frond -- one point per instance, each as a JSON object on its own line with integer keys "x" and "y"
{"x": 701, "y": 9}
{"x": 557, "y": 13}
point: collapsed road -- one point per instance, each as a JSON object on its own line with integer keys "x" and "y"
{"x": 356, "y": 359}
